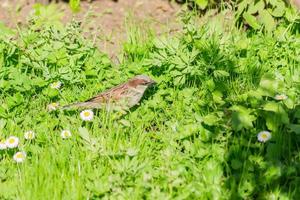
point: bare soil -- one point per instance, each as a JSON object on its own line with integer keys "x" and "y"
{"x": 106, "y": 18}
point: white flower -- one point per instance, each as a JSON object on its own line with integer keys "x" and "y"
{"x": 3, "y": 145}
{"x": 65, "y": 134}
{"x": 55, "y": 85}
{"x": 280, "y": 97}
{"x": 52, "y": 106}
{"x": 147, "y": 177}
{"x": 264, "y": 136}
{"x": 19, "y": 156}
{"x": 29, "y": 135}
{"x": 12, "y": 142}
{"x": 131, "y": 152}
{"x": 87, "y": 115}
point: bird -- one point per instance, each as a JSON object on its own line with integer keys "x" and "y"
{"x": 121, "y": 97}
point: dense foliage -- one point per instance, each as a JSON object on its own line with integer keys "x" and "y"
{"x": 258, "y": 14}
{"x": 194, "y": 136}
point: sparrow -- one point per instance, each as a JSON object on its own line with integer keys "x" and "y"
{"x": 120, "y": 97}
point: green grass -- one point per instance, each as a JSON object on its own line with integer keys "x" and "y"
{"x": 194, "y": 136}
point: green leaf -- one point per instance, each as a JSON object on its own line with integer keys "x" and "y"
{"x": 211, "y": 119}
{"x": 5, "y": 31}
{"x": 91, "y": 73}
{"x": 2, "y": 122}
{"x": 272, "y": 106}
{"x": 179, "y": 80}
{"x": 268, "y": 85}
{"x": 175, "y": 73}
{"x": 15, "y": 100}
{"x": 297, "y": 113}
{"x": 251, "y": 20}
{"x": 291, "y": 14}
{"x": 242, "y": 43}
{"x": 125, "y": 122}
{"x": 188, "y": 130}
{"x": 236, "y": 164}
{"x": 51, "y": 92}
{"x": 3, "y": 112}
{"x": 218, "y": 97}
{"x": 254, "y": 8}
{"x": 294, "y": 128}
{"x": 267, "y": 20}
{"x": 241, "y": 7}
{"x": 84, "y": 134}
{"x": 75, "y": 5}
{"x": 289, "y": 103}
{"x": 273, "y": 172}
{"x": 241, "y": 118}
{"x": 5, "y": 85}
{"x": 90, "y": 142}
{"x": 160, "y": 43}
{"x": 49, "y": 15}
{"x": 38, "y": 82}
{"x": 202, "y": 3}
{"x": 210, "y": 85}
{"x": 220, "y": 73}
{"x": 281, "y": 114}
{"x": 279, "y": 8}
{"x": 271, "y": 122}
{"x": 255, "y": 94}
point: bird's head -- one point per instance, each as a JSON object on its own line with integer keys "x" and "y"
{"x": 142, "y": 80}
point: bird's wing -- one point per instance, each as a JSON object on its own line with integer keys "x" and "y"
{"x": 120, "y": 94}
{"x": 110, "y": 95}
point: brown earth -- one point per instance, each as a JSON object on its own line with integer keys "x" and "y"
{"x": 106, "y": 19}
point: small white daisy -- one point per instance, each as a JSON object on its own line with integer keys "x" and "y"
{"x": 52, "y": 106}
{"x": 29, "y": 135}
{"x": 19, "y": 156}
{"x": 264, "y": 136}
{"x": 12, "y": 142}
{"x": 65, "y": 134}
{"x": 55, "y": 85}
{"x": 147, "y": 177}
{"x": 87, "y": 115}
{"x": 131, "y": 152}
{"x": 280, "y": 97}
{"x": 3, "y": 145}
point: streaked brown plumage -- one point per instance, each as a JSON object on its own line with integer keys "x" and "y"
{"x": 123, "y": 96}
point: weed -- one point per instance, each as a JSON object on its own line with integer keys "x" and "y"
{"x": 199, "y": 134}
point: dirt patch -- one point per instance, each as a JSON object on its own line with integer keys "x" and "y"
{"x": 105, "y": 18}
